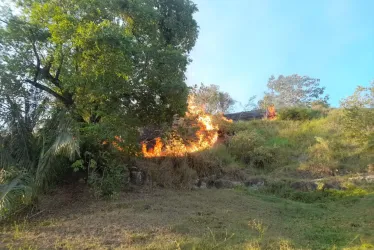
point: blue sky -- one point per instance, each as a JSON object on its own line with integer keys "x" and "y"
{"x": 242, "y": 42}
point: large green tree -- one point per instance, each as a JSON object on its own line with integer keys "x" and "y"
{"x": 293, "y": 90}
{"x": 75, "y": 74}
{"x": 120, "y": 58}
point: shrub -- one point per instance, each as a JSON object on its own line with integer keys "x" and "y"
{"x": 322, "y": 152}
{"x": 250, "y": 147}
{"x": 15, "y": 191}
{"x": 359, "y": 125}
{"x": 109, "y": 180}
{"x": 211, "y": 162}
{"x": 299, "y": 114}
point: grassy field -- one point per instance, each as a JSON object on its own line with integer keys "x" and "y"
{"x": 202, "y": 219}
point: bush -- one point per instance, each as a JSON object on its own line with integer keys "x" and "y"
{"x": 210, "y": 162}
{"x": 299, "y": 114}
{"x": 108, "y": 181}
{"x": 16, "y": 191}
{"x": 321, "y": 158}
{"x": 359, "y": 125}
{"x": 250, "y": 147}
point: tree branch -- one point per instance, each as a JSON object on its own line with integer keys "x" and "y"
{"x": 59, "y": 67}
{"x": 52, "y": 79}
{"x": 4, "y": 21}
{"x": 37, "y": 61}
{"x": 66, "y": 101}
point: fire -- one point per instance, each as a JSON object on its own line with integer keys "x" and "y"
{"x": 206, "y": 135}
{"x": 270, "y": 112}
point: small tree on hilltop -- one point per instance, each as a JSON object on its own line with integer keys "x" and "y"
{"x": 293, "y": 90}
{"x": 214, "y": 100}
{"x": 359, "y": 116}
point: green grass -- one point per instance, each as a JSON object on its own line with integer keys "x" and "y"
{"x": 203, "y": 219}
{"x": 313, "y": 148}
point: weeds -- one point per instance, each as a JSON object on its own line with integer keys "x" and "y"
{"x": 259, "y": 227}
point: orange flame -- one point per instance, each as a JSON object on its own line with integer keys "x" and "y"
{"x": 207, "y": 135}
{"x": 270, "y": 112}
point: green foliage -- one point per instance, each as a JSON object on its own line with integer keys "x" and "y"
{"x": 77, "y": 165}
{"x": 111, "y": 59}
{"x": 212, "y": 161}
{"x": 15, "y": 192}
{"x": 282, "y": 188}
{"x": 363, "y": 97}
{"x": 28, "y": 175}
{"x": 305, "y": 148}
{"x": 322, "y": 156}
{"x": 298, "y": 114}
{"x": 359, "y": 124}
{"x": 110, "y": 182}
{"x": 250, "y": 147}
{"x": 358, "y": 119}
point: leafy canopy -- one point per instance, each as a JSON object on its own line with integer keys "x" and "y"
{"x": 101, "y": 59}
{"x": 214, "y": 100}
{"x": 293, "y": 90}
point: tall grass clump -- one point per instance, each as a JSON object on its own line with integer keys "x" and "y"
{"x": 183, "y": 172}
{"x": 250, "y": 148}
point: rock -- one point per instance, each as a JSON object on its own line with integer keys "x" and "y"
{"x": 369, "y": 178}
{"x": 221, "y": 183}
{"x": 137, "y": 177}
{"x": 304, "y": 186}
{"x": 209, "y": 181}
{"x": 200, "y": 184}
{"x": 360, "y": 179}
{"x": 249, "y": 115}
{"x": 336, "y": 185}
{"x": 255, "y": 182}
{"x": 203, "y": 185}
{"x": 371, "y": 168}
{"x": 237, "y": 183}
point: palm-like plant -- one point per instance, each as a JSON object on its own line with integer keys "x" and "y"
{"x": 27, "y": 155}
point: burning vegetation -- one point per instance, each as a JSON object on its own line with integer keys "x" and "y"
{"x": 205, "y": 136}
